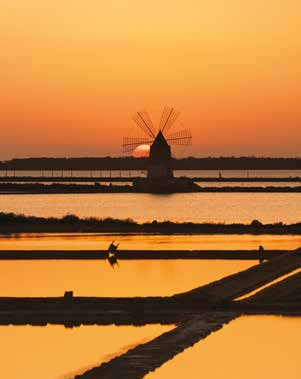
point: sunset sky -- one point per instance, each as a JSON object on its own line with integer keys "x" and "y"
{"x": 73, "y": 72}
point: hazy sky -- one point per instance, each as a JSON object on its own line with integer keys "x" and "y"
{"x": 73, "y": 72}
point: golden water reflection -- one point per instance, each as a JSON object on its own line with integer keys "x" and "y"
{"x": 54, "y": 352}
{"x": 193, "y": 207}
{"x": 78, "y": 241}
{"x": 131, "y": 278}
{"x": 248, "y": 347}
{"x": 93, "y": 278}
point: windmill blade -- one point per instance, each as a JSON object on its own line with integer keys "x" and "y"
{"x": 144, "y": 114}
{"x": 168, "y": 118}
{"x": 144, "y": 122}
{"x": 129, "y": 144}
{"x": 183, "y": 138}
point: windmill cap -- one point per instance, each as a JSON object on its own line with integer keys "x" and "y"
{"x": 160, "y": 140}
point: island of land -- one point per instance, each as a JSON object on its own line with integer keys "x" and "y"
{"x": 67, "y": 188}
{"x": 130, "y": 163}
{"x": 16, "y": 223}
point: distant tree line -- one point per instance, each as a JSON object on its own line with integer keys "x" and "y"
{"x": 18, "y": 223}
{"x": 129, "y": 163}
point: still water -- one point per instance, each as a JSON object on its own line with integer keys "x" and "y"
{"x": 86, "y": 241}
{"x": 93, "y": 278}
{"x": 249, "y": 347}
{"x": 195, "y": 207}
{"x": 131, "y": 278}
{"x": 54, "y": 352}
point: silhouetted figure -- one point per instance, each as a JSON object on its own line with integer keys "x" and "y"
{"x": 112, "y": 254}
{"x": 260, "y": 253}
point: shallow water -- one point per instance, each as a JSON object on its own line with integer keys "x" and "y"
{"x": 78, "y": 241}
{"x": 54, "y": 352}
{"x": 131, "y": 278}
{"x": 92, "y": 278}
{"x": 195, "y": 207}
{"x": 249, "y": 347}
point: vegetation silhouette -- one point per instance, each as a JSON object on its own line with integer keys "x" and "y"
{"x": 19, "y": 223}
{"x": 130, "y": 163}
{"x": 178, "y": 185}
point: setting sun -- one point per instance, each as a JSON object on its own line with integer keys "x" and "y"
{"x": 141, "y": 151}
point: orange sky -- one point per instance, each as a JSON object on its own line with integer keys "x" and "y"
{"x": 73, "y": 72}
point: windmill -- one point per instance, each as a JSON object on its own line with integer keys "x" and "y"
{"x": 162, "y": 131}
{"x": 158, "y": 140}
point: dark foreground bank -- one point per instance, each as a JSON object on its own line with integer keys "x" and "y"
{"x": 69, "y": 188}
{"x": 13, "y": 223}
{"x": 130, "y": 163}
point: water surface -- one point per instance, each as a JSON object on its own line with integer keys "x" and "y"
{"x": 249, "y": 347}
{"x": 93, "y": 278}
{"x": 195, "y": 207}
{"x": 130, "y": 278}
{"x": 54, "y": 352}
{"x": 94, "y": 241}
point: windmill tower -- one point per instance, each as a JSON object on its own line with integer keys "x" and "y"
{"x": 159, "y": 168}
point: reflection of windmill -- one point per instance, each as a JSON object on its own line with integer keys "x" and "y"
{"x": 168, "y": 118}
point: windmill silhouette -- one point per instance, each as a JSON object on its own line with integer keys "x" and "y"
{"x": 159, "y": 164}
{"x": 162, "y": 131}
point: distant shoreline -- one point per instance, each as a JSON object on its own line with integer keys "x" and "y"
{"x": 63, "y": 188}
{"x": 11, "y": 223}
{"x": 130, "y": 163}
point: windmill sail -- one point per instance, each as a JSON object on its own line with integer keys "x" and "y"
{"x": 180, "y": 138}
{"x": 144, "y": 122}
{"x": 168, "y": 118}
{"x": 144, "y": 114}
